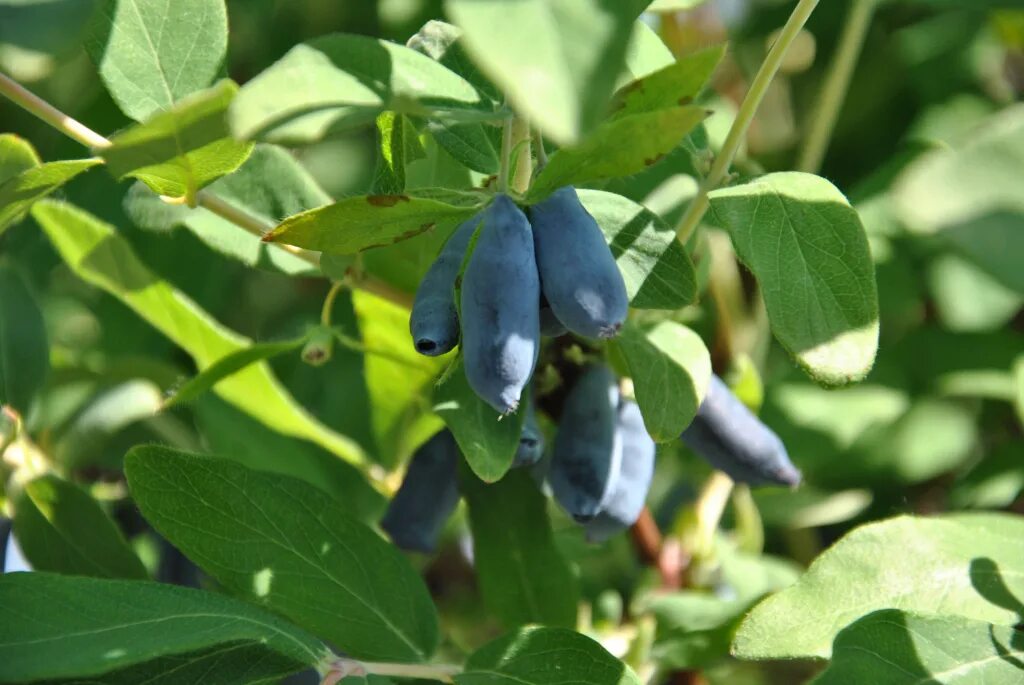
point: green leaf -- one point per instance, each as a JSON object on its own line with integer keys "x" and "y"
{"x": 152, "y": 53}
{"x": 809, "y": 507}
{"x": 671, "y": 369}
{"x": 69, "y": 626}
{"x": 398, "y": 143}
{"x": 24, "y": 347}
{"x": 657, "y": 270}
{"x": 544, "y": 656}
{"x": 672, "y": 86}
{"x": 61, "y": 528}
{"x": 966, "y": 298}
{"x": 623, "y": 146}
{"x": 807, "y": 248}
{"x": 228, "y": 365}
{"x": 342, "y": 80}
{"x": 969, "y": 199}
{"x": 522, "y": 575}
{"x": 993, "y": 483}
{"x": 944, "y": 568}
{"x": 360, "y": 223}
{"x": 21, "y": 191}
{"x": 1018, "y": 374}
{"x": 893, "y": 647}
{"x": 234, "y": 435}
{"x": 487, "y": 439}
{"x": 180, "y": 150}
{"x": 286, "y": 545}
{"x": 97, "y": 254}
{"x": 674, "y": 5}
{"x": 646, "y": 53}
{"x": 16, "y": 155}
{"x": 399, "y": 379}
{"x": 556, "y": 62}
{"x": 694, "y": 628}
{"x": 270, "y": 185}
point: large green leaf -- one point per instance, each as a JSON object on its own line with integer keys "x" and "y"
{"x": 288, "y": 546}
{"x": 152, "y": 53}
{"x": 270, "y": 185}
{"x": 487, "y": 439}
{"x": 545, "y": 656}
{"x": 671, "y": 369}
{"x": 97, "y": 254}
{"x": 807, "y": 248}
{"x": 341, "y": 80}
{"x": 19, "y": 192}
{"x": 398, "y": 143}
{"x": 16, "y": 155}
{"x": 970, "y": 199}
{"x": 24, "y": 347}
{"x": 623, "y": 146}
{"x": 672, "y": 86}
{"x": 61, "y": 528}
{"x": 69, "y": 626}
{"x": 182, "y": 149}
{"x": 957, "y": 564}
{"x": 646, "y": 53}
{"x": 893, "y": 647}
{"x": 658, "y": 272}
{"x": 523, "y": 577}
{"x": 360, "y": 223}
{"x": 556, "y": 61}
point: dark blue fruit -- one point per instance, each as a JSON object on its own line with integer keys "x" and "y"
{"x": 500, "y": 300}
{"x": 531, "y": 441}
{"x": 427, "y": 497}
{"x": 630, "y": 493}
{"x": 730, "y": 438}
{"x": 587, "y": 454}
{"x": 434, "y": 323}
{"x": 578, "y": 273}
{"x": 549, "y": 323}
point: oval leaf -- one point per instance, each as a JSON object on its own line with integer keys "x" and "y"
{"x": 24, "y": 350}
{"x": 20, "y": 192}
{"x": 945, "y": 567}
{"x": 284, "y": 544}
{"x": 152, "y": 53}
{"x": 93, "y": 626}
{"x": 16, "y": 155}
{"x": 674, "y": 85}
{"x": 61, "y": 528}
{"x": 807, "y": 248}
{"x": 671, "y": 369}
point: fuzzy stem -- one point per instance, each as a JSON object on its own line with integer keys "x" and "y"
{"x": 837, "y": 83}
{"x": 758, "y": 88}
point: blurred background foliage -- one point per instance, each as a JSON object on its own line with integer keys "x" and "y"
{"x": 933, "y": 428}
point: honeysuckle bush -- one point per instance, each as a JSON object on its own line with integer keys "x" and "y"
{"x": 214, "y": 217}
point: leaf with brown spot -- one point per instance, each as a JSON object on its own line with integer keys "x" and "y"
{"x": 675, "y": 85}
{"x": 386, "y": 200}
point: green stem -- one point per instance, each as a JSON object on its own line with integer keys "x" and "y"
{"x": 339, "y": 668}
{"x": 699, "y": 206}
{"x": 542, "y": 154}
{"x": 328, "y": 308}
{"x": 50, "y": 114}
{"x": 837, "y": 83}
{"x": 506, "y": 155}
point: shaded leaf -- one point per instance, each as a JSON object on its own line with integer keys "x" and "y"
{"x": 945, "y": 567}
{"x": 229, "y": 365}
{"x": 672, "y": 86}
{"x": 556, "y": 62}
{"x": 360, "y": 223}
{"x": 61, "y": 528}
{"x": 397, "y": 143}
{"x": 100, "y": 625}
{"x": 24, "y": 347}
{"x": 152, "y": 53}
{"x": 286, "y": 545}
{"x": 180, "y": 150}
{"x": 623, "y": 146}
{"x": 523, "y": 577}
{"x": 671, "y": 369}
{"x": 544, "y": 656}
{"x": 342, "y": 80}
{"x": 657, "y": 270}
{"x": 808, "y": 250}
{"x": 893, "y": 647}
{"x": 19, "y": 192}
{"x": 487, "y": 439}
{"x": 97, "y": 254}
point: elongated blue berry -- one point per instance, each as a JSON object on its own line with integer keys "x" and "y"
{"x": 635, "y": 474}
{"x": 500, "y": 300}
{"x": 434, "y": 323}
{"x": 531, "y": 441}
{"x": 578, "y": 273}
{"x": 730, "y": 438}
{"x": 587, "y": 453}
{"x": 549, "y": 323}
{"x": 427, "y": 497}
